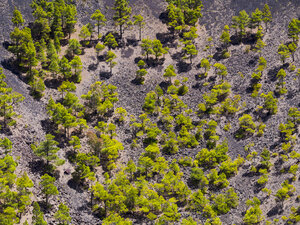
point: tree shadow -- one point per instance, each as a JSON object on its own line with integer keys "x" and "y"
{"x": 272, "y": 73}
{"x": 248, "y": 39}
{"x": 164, "y": 17}
{"x": 105, "y": 75}
{"x": 127, "y": 53}
{"x": 6, "y": 44}
{"x": 164, "y": 86}
{"x": 52, "y": 83}
{"x": 132, "y": 42}
{"x": 276, "y": 210}
{"x": 167, "y": 39}
{"x": 183, "y": 67}
{"x": 11, "y": 65}
{"x": 93, "y": 67}
{"x": 74, "y": 185}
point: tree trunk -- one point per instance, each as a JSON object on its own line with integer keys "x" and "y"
{"x": 121, "y": 32}
{"x": 47, "y": 198}
{"x": 140, "y": 37}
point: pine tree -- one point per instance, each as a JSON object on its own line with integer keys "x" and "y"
{"x": 266, "y": 15}
{"x": 169, "y": 73}
{"x": 256, "y": 19}
{"x": 74, "y": 48}
{"x": 38, "y": 216}
{"x": 100, "y": 20}
{"x": 158, "y": 49}
{"x": 292, "y": 47}
{"x": 283, "y": 52}
{"x": 110, "y": 41}
{"x": 110, "y": 56}
{"x": 66, "y": 86}
{"x": 147, "y": 47}
{"x": 70, "y": 14}
{"x": 85, "y": 34}
{"x": 99, "y": 48}
{"x": 28, "y": 57}
{"x": 6, "y": 144}
{"x": 48, "y": 187}
{"x": 76, "y": 65}
{"x": 122, "y": 14}
{"x": 191, "y": 51}
{"x": 47, "y": 149}
{"x": 8, "y": 100}
{"x": 17, "y": 18}
{"x": 62, "y": 215}
{"x": 225, "y": 37}
{"x": 294, "y": 30}
{"x": 139, "y": 22}
{"x": 65, "y": 68}
{"x": 23, "y": 184}
{"x": 37, "y": 86}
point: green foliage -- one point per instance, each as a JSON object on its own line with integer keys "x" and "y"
{"x": 256, "y": 18}
{"x": 247, "y": 126}
{"x": 283, "y": 52}
{"x": 99, "y": 48}
{"x": 66, "y": 86}
{"x": 74, "y": 48}
{"x": 122, "y": 15}
{"x": 47, "y": 150}
{"x": 253, "y": 214}
{"x": 62, "y": 215}
{"x": 146, "y": 46}
{"x": 37, "y": 87}
{"x": 294, "y": 29}
{"x": 48, "y": 187}
{"x": 241, "y": 22}
{"x": 225, "y": 36}
{"x": 140, "y": 74}
{"x": 230, "y": 167}
{"x": 266, "y": 14}
{"x": 110, "y": 41}
{"x": 153, "y": 47}
{"x": 85, "y": 34}
{"x": 139, "y": 22}
{"x": 38, "y": 215}
{"x": 150, "y": 103}
{"x": 8, "y": 100}
{"x": 190, "y": 51}
{"x": 110, "y": 56}
{"x": 17, "y": 18}
{"x": 121, "y": 114}
{"x": 211, "y": 158}
{"x": 116, "y": 219}
{"x": 206, "y": 65}
{"x": 285, "y": 192}
{"x": 221, "y": 70}
{"x": 100, "y": 20}
{"x": 270, "y": 103}
{"x": 62, "y": 116}
{"x": 65, "y": 68}
{"x": 101, "y": 97}
{"x": 170, "y": 72}
{"x": 223, "y": 203}
{"x": 76, "y": 65}
{"x": 198, "y": 177}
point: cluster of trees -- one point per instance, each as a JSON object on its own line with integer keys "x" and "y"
{"x": 8, "y": 101}
{"x": 153, "y": 186}
{"x": 36, "y": 48}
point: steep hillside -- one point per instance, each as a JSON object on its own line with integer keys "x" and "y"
{"x": 189, "y": 157}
